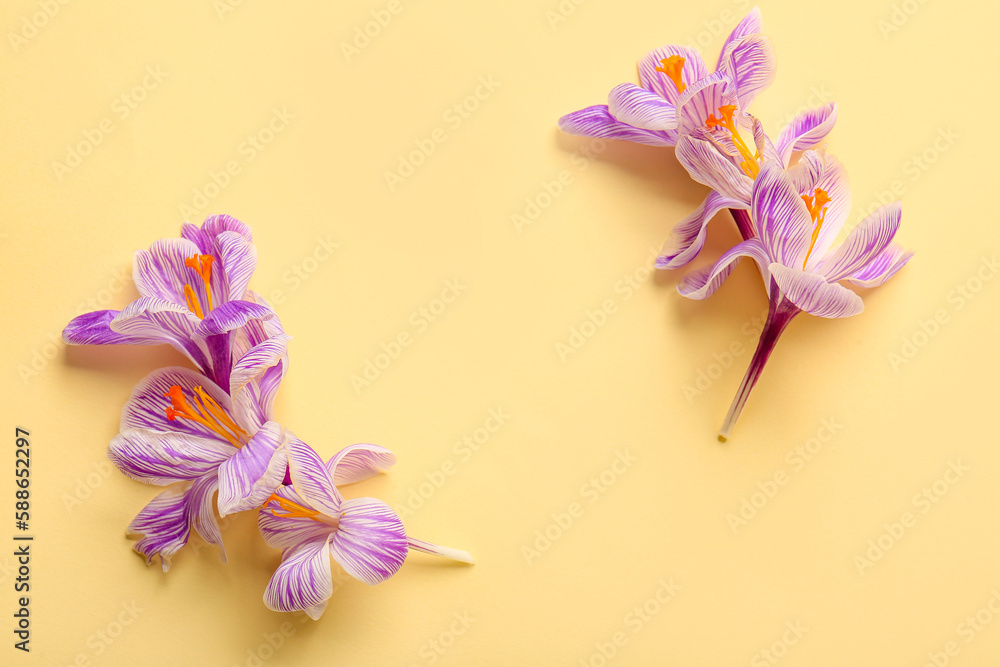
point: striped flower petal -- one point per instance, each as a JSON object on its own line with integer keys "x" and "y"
{"x": 146, "y": 407}
{"x": 751, "y": 65}
{"x": 94, "y": 328}
{"x": 806, "y": 131}
{"x": 883, "y": 267}
{"x": 232, "y": 315}
{"x": 640, "y": 108}
{"x": 781, "y": 216}
{"x": 252, "y": 473}
{"x": 751, "y": 24}
{"x": 283, "y": 532}
{"x": 813, "y": 294}
{"x": 358, "y": 462}
{"x": 688, "y": 236}
{"x": 371, "y": 541}
{"x": 161, "y": 272}
{"x": 694, "y": 70}
{"x": 162, "y": 458}
{"x": 865, "y": 242}
{"x": 597, "y": 121}
{"x": 303, "y": 581}
{"x": 704, "y": 282}
{"x": 706, "y": 165}
{"x": 311, "y": 478}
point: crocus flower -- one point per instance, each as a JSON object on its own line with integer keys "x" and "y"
{"x": 192, "y": 295}
{"x": 310, "y": 521}
{"x": 181, "y": 430}
{"x": 649, "y": 113}
{"x": 713, "y": 149}
{"x": 793, "y": 252}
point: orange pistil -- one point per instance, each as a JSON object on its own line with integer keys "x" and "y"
{"x": 206, "y": 411}
{"x": 202, "y": 265}
{"x": 673, "y": 67}
{"x": 750, "y": 164}
{"x": 289, "y": 509}
{"x": 817, "y": 205}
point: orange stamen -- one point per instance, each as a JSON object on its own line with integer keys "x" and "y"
{"x": 202, "y": 265}
{"x": 817, "y": 206}
{"x": 673, "y": 67}
{"x": 289, "y": 509}
{"x": 750, "y": 164}
{"x": 205, "y": 411}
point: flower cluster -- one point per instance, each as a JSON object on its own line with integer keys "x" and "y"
{"x": 789, "y": 212}
{"x": 209, "y": 434}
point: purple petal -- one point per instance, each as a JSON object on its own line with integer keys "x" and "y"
{"x": 750, "y": 25}
{"x": 311, "y": 478}
{"x": 813, "y": 294}
{"x": 215, "y": 225}
{"x": 694, "y": 70}
{"x": 238, "y": 257}
{"x": 152, "y": 317}
{"x": 146, "y": 407}
{"x": 160, "y": 271}
{"x": 438, "y": 550}
{"x": 751, "y": 65}
{"x": 371, "y": 541}
{"x": 232, "y": 315}
{"x": 817, "y": 170}
{"x": 707, "y": 165}
{"x": 688, "y": 236}
{"x": 255, "y": 471}
{"x": 357, "y": 462}
{"x": 94, "y": 329}
{"x": 596, "y": 121}
{"x": 701, "y": 100}
{"x": 781, "y": 216}
{"x": 704, "y": 282}
{"x": 865, "y": 242}
{"x": 806, "y": 131}
{"x": 166, "y": 522}
{"x": 160, "y": 458}
{"x": 252, "y": 365}
{"x": 303, "y": 581}
{"x": 640, "y": 108}
{"x": 883, "y": 267}
{"x": 284, "y": 532}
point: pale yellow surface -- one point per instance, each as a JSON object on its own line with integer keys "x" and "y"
{"x": 662, "y": 514}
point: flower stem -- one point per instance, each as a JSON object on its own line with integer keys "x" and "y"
{"x": 744, "y": 223}
{"x": 780, "y": 312}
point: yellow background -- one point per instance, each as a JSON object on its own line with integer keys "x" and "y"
{"x": 921, "y": 82}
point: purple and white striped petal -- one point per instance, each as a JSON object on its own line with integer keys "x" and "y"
{"x": 284, "y": 532}
{"x": 688, "y": 236}
{"x": 311, "y": 478}
{"x": 597, "y": 121}
{"x": 806, "y": 131}
{"x": 751, "y": 65}
{"x": 161, "y": 272}
{"x": 883, "y": 267}
{"x": 238, "y": 257}
{"x": 303, "y": 581}
{"x": 694, "y": 70}
{"x": 252, "y": 364}
{"x": 813, "y": 294}
{"x": 94, "y": 328}
{"x": 820, "y": 171}
{"x": 216, "y": 225}
{"x": 865, "y": 242}
{"x": 255, "y": 471}
{"x": 370, "y": 542}
{"x": 438, "y": 550}
{"x": 750, "y": 25}
{"x": 781, "y": 216}
{"x": 146, "y": 407}
{"x": 703, "y": 99}
{"x": 358, "y": 462}
{"x": 641, "y": 108}
{"x": 232, "y": 315}
{"x": 704, "y": 282}
{"x": 165, "y": 523}
{"x": 705, "y": 164}
{"x": 161, "y": 458}
{"x": 152, "y": 317}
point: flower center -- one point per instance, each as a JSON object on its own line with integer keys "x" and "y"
{"x": 202, "y": 265}
{"x": 206, "y": 411}
{"x": 817, "y": 204}
{"x": 289, "y": 509}
{"x": 750, "y": 164}
{"x": 673, "y": 67}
